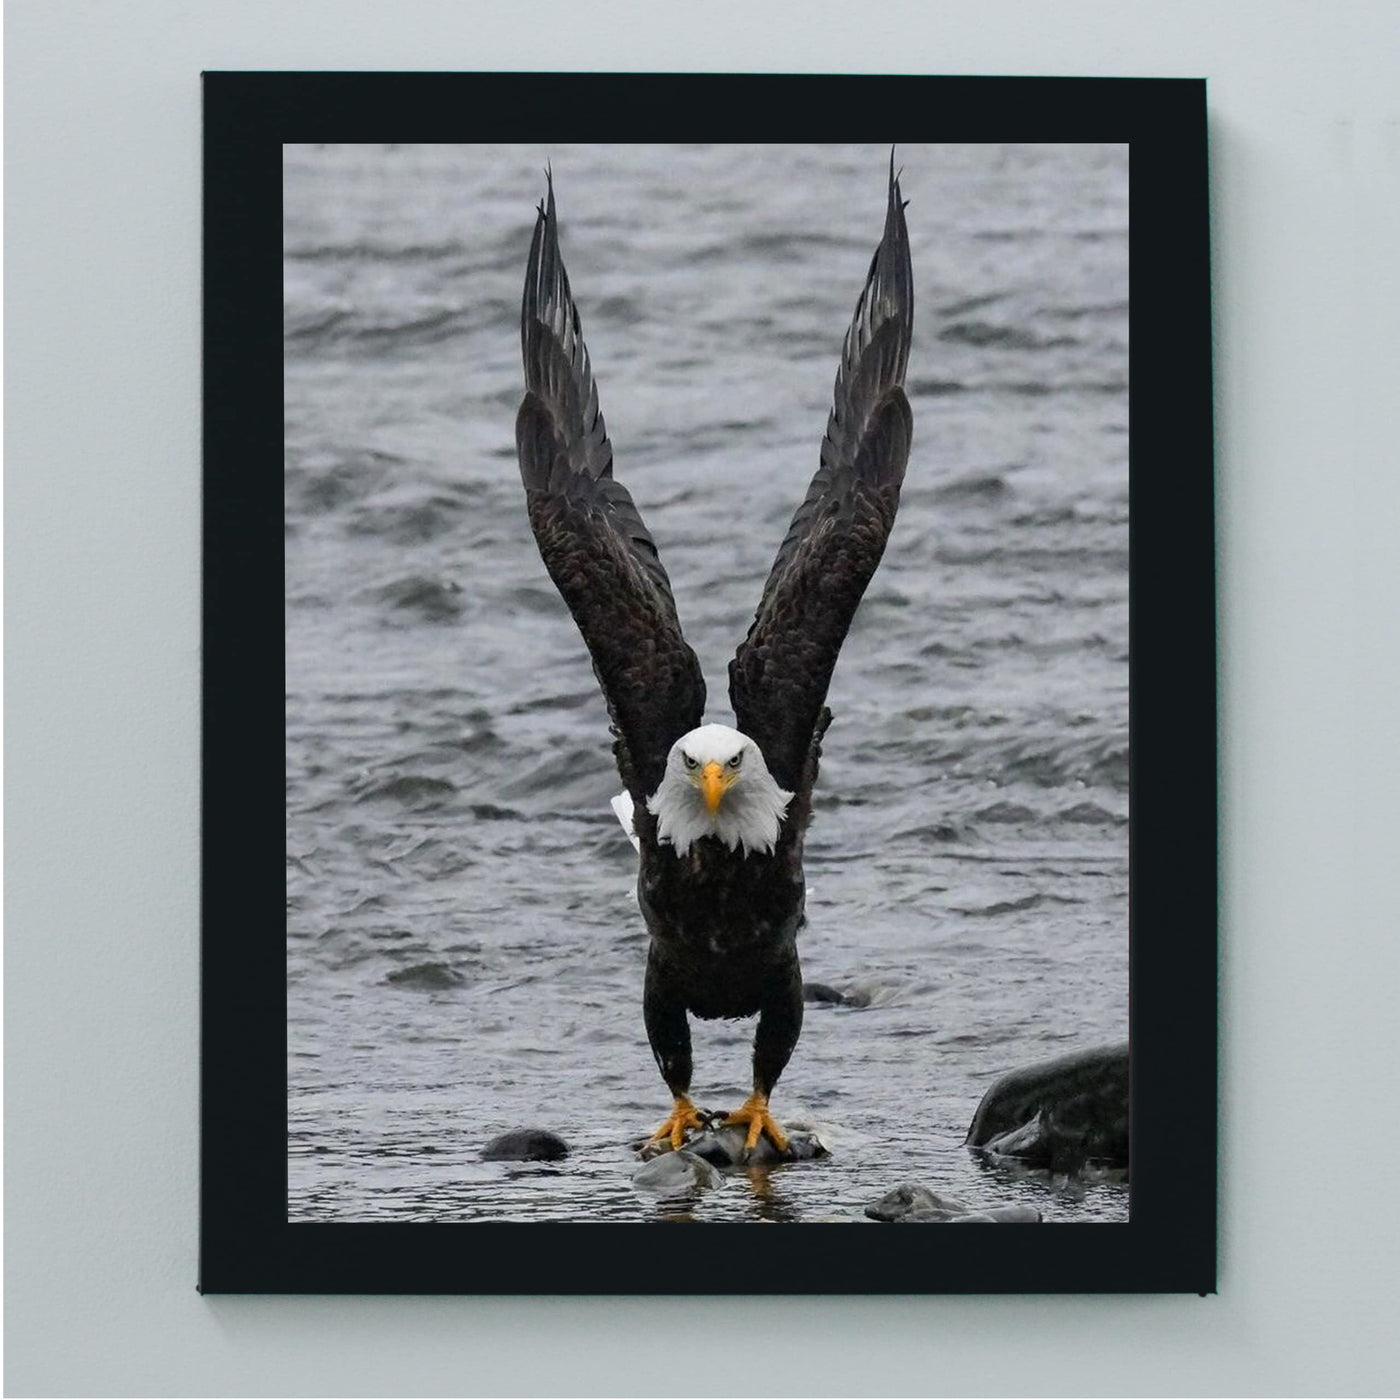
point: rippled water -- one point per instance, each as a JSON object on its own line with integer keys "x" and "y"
{"x": 464, "y": 951}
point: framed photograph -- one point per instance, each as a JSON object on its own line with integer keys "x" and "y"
{"x": 709, "y": 684}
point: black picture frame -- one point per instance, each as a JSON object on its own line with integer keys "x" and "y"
{"x": 246, "y": 1241}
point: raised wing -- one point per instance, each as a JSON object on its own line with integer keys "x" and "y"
{"x": 778, "y": 679}
{"x": 593, "y": 542}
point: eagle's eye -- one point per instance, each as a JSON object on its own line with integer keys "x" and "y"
{"x": 689, "y": 762}
{"x": 736, "y": 760}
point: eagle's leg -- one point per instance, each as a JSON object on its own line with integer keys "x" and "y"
{"x": 669, "y": 1034}
{"x": 779, "y": 1025}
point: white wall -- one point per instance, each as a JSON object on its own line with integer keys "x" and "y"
{"x": 102, "y": 335}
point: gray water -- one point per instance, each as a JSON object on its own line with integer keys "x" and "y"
{"x": 464, "y": 950}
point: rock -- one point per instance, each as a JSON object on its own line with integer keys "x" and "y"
{"x": 1058, "y": 1115}
{"x": 426, "y": 977}
{"x": 673, "y": 1173}
{"x": 526, "y": 1145}
{"x": 858, "y": 995}
{"x": 917, "y": 1205}
{"x": 724, "y": 1147}
{"x": 1024, "y": 1142}
{"x": 906, "y": 1201}
{"x": 1000, "y": 1215}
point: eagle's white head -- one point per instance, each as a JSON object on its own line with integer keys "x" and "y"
{"x": 717, "y": 784}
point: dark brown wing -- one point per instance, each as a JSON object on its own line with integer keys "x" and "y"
{"x": 778, "y": 679}
{"x": 592, "y": 540}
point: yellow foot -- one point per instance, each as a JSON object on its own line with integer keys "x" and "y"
{"x": 755, "y": 1114}
{"x": 683, "y": 1117}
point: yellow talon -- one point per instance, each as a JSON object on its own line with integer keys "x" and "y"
{"x": 684, "y": 1116}
{"x": 755, "y": 1114}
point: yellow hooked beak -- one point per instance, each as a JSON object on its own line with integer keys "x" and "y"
{"x": 714, "y": 783}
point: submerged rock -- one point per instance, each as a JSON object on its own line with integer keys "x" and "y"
{"x": 858, "y": 994}
{"x": 426, "y": 977}
{"x": 675, "y": 1172}
{"x": 526, "y": 1145}
{"x": 1059, "y": 1115}
{"x": 913, "y": 1199}
{"x": 1000, "y": 1215}
{"x": 913, "y": 1204}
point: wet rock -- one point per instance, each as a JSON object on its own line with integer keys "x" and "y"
{"x": 1000, "y": 1215}
{"x": 1060, "y": 1115}
{"x": 426, "y": 977}
{"x": 526, "y": 1145}
{"x": 912, "y": 1204}
{"x": 724, "y": 1147}
{"x": 910, "y": 1200}
{"x": 1063, "y": 1146}
{"x": 673, "y": 1173}
{"x": 823, "y": 994}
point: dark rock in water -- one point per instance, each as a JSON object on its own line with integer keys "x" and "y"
{"x": 1063, "y": 1148}
{"x": 426, "y": 977}
{"x": 1058, "y": 1115}
{"x": 822, "y": 994}
{"x": 526, "y": 1145}
{"x": 911, "y": 1200}
{"x": 917, "y": 1205}
{"x": 724, "y": 1147}
{"x": 673, "y": 1173}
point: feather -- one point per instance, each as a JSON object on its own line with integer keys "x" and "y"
{"x": 591, "y": 536}
{"x": 779, "y": 677}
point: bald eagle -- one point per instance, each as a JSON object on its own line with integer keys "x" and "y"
{"x": 720, "y": 813}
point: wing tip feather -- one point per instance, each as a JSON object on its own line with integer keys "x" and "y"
{"x": 868, "y": 436}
